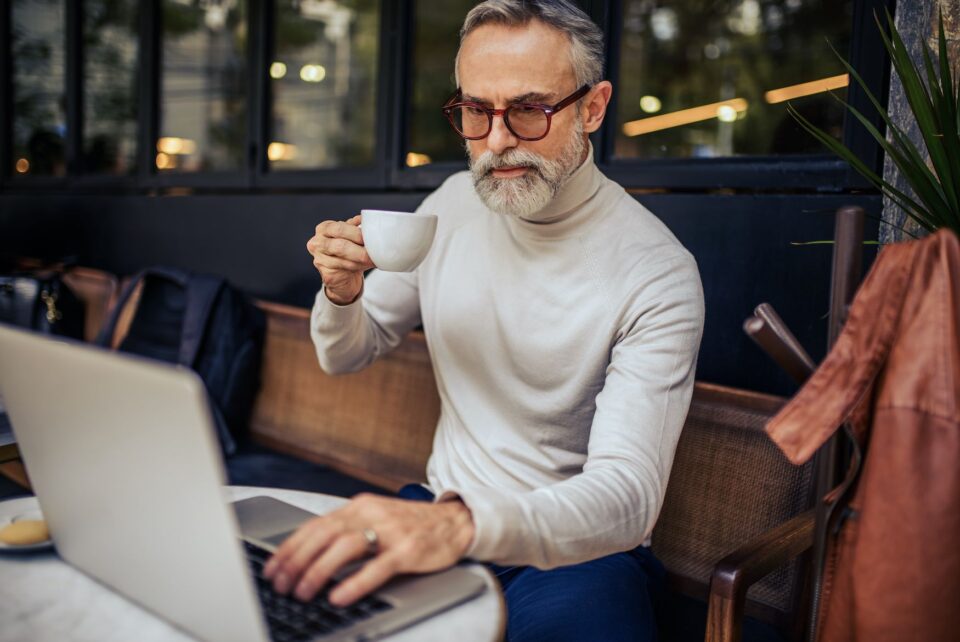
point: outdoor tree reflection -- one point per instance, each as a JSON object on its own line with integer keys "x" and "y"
{"x": 679, "y": 55}
{"x": 204, "y": 85}
{"x": 39, "y": 107}
{"x": 110, "y": 35}
{"x": 323, "y": 80}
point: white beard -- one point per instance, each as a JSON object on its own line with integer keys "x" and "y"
{"x": 524, "y": 196}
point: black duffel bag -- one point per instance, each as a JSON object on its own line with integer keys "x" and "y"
{"x": 41, "y": 302}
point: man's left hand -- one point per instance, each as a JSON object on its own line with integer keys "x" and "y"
{"x": 412, "y": 537}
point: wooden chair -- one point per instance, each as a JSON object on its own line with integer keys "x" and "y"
{"x": 735, "y": 516}
{"x": 797, "y": 543}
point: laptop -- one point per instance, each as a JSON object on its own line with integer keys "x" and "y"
{"x": 123, "y": 457}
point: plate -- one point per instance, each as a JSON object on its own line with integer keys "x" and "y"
{"x": 18, "y": 509}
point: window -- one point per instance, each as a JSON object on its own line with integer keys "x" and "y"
{"x": 110, "y": 86}
{"x": 346, "y": 94}
{"x": 712, "y": 80}
{"x": 39, "y": 97}
{"x": 323, "y": 79}
{"x": 204, "y": 86}
{"x": 436, "y": 38}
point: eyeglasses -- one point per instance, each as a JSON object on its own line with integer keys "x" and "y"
{"x": 526, "y": 121}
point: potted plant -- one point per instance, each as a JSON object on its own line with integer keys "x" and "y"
{"x": 932, "y": 90}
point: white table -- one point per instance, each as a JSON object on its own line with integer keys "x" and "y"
{"x": 43, "y": 598}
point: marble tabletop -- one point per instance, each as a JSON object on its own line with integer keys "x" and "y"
{"x": 43, "y": 598}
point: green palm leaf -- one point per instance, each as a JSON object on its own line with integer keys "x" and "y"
{"x": 933, "y": 94}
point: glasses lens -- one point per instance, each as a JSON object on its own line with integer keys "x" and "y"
{"x": 470, "y": 121}
{"x": 527, "y": 121}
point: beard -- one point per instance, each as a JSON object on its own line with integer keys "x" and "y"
{"x": 525, "y": 195}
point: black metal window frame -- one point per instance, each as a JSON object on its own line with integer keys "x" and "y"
{"x": 818, "y": 173}
{"x": 808, "y": 174}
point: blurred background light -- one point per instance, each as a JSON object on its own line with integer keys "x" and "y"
{"x": 278, "y": 70}
{"x": 650, "y": 104}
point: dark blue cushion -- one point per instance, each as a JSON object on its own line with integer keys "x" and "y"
{"x": 258, "y": 466}
{"x": 9, "y": 489}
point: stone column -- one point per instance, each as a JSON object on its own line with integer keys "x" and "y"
{"x": 917, "y": 22}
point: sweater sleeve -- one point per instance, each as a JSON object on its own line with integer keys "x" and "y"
{"x": 350, "y": 337}
{"x": 613, "y": 503}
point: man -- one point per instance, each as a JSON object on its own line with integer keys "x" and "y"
{"x": 563, "y": 321}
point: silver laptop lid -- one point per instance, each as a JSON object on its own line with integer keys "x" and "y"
{"x": 84, "y": 420}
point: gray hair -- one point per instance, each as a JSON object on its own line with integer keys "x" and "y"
{"x": 586, "y": 39}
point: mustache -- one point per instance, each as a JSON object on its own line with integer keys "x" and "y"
{"x": 488, "y": 161}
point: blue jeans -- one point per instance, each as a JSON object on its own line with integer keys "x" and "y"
{"x": 609, "y": 599}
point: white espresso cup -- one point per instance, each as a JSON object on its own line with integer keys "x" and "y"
{"x": 397, "y": 241}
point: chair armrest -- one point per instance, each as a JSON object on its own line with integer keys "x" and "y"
{"x": 739, "y": 570}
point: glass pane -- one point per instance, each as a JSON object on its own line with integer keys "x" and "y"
{"x": 203, "y": 110}
{"x": 323, "y": 83}
{"x": 712, "y": 79}
{"x": 39, "y": 96}
{"x": 110, "y": 86}
{"x": 437, "y": 36}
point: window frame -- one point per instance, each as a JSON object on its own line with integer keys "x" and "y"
{"x": 373, "y": 176}
{"x": 8, "y": 180}
{"x": 77, "y": 174}
{"x": 76, "y": 178}
{"x": 6, "y": 99}
{"x": 810, "y": 172}
{"x": 821, "y": 173}
{"x": 152, "y": 35}
{"x": 818, "y": 173}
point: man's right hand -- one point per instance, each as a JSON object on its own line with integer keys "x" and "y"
{"x": 338, "y": 254}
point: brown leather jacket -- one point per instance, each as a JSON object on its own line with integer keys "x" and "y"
{"x": 893, "y": 570}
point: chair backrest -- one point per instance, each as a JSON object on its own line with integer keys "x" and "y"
{"x": 729, "y": 484}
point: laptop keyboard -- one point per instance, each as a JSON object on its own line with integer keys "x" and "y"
{"x": 291, "y": 620}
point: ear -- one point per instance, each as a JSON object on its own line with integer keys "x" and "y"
{"x": 595, "y": 106}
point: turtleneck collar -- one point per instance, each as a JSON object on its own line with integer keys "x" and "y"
{"x": 566, "y": 211}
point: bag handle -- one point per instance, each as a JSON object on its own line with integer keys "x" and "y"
{"x": 201, "y": 292}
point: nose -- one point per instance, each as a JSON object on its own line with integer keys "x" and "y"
{"x": 500, "y": 138}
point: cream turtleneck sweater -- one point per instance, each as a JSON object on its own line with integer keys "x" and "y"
{"x": 564, "y": 349}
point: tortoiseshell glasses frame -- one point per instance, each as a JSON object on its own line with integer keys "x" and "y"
{"x": 526, "y": 121}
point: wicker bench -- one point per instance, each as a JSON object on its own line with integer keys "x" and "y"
{"x": 735, "y": 513}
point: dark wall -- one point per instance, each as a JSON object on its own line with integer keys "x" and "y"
{"x": 742, "y": 244}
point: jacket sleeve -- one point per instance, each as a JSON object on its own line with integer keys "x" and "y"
{"x": 613, "y": 503}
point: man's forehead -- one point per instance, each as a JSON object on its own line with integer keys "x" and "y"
{"x": 523, "y": 96}
{"x": 499, "y": 62}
